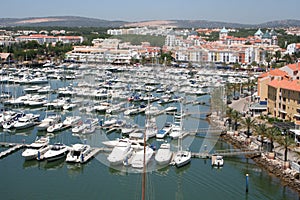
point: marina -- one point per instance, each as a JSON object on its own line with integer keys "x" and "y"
{"x": 95, "y": 93}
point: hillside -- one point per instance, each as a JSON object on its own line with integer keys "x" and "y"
{"x": 73, "y": 21}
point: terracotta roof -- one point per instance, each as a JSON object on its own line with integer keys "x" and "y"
{"x": 286, "y": 84}
{"x": 4, "y": 56}
{"x": 294, "y": 67}
{"x": 274, "y": 72}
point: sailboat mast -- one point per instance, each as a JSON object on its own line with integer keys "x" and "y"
{"x": 144, "y": 159}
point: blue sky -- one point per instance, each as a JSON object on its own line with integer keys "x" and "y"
{"x": 238, "y": 11}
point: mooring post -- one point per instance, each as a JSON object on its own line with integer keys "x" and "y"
{"x": 247, "y": 183}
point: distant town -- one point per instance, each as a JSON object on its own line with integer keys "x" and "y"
{"x": 185, "y": 47}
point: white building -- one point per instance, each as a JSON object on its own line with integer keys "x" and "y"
{"x": 293, "y": 48}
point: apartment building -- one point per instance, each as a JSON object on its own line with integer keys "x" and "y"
{"x": 284, "y": 99}
{"x": 264, "y": 79}
{"x": 42, "y": 39}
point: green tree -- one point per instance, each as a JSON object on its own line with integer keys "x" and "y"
{"x": 229, "y": 114}
{"x": 272, "y": 133}
{"x": 268, "y": 59}
{"x": 277, "y": 55}
{"x": 166, "y": 57}
{"x": 235, "y": 117}
{"x": 286, "y": 141}
{"x": 248, "y": 123}
{"x": 261, "y": 131}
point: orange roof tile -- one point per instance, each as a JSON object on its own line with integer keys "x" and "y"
{"x": 294, "y": 67}
{"x": 277, "y": 72}
{"x": 274, "y": 72}
{"x": 286, "y": 84}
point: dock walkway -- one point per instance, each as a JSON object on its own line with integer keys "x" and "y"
{"x": 12, "y": 147}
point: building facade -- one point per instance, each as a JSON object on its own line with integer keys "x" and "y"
{"x": 284, "y": 99}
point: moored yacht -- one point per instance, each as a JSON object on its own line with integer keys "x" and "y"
{"x": 120, "y": 152}
{"x": 217, "y": 161}
{"x": 164, "y": 154}
{"x": 48, "y": 121}
{"x": 26, "y": 121}
{"x": 164, "y": 131}
{"x": 71, "y": 120}
{"x": 138, "y": 157}
{"x": 55, "y": 127}
{"x": 78, "y": 152}
{"x": 37, "y": 148}
{"x": 57, "y": 151}
{"x": 182, "y": 158}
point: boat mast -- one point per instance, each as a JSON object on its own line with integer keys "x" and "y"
{"x": 144, "y": 159}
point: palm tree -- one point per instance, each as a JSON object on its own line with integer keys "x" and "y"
{"x": 272, "y": 133}
{"x": 286, "y": 142}
{"x": 248, "y": 123}
{"x": 228, "y": 89}
{"x": 261, "y": 130}
{"x": 236, "y": 117}
{"x": 235, "y": 86}
{"x": 229, "y": 114}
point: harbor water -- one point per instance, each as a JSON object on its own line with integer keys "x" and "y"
{"x": 96, "y": 179}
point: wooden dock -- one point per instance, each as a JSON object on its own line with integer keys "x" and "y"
{"x": 12, "y": 147}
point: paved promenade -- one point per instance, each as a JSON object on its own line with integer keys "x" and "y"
{"x": 241, "y": 105}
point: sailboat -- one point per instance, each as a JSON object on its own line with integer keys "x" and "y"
{"x": 182, "y": 157}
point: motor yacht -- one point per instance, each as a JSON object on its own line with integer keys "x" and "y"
{"x": 57, "y": 151}
{"x": 164, "y": 154}
{"x": 182, "y": 158}
{"x": 37, "y": 148}
{"x": 120, "y": 152}
{"x": 78, "y": 152}
{"x": 138, "y": 157}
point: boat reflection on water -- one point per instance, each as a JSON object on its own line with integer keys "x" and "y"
{"x": 44, "y": 164}
{"x": 54, "y": 164}
{"x": 182, "y": 169}
{"x": 163, "y": 171}
{"x": 75, "y": 169}
{"x": 30, "y": 164}
{"x": 118, "y": 170}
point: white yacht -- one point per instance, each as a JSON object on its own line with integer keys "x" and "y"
{"x": 89, "y": 129}
{"x": 138, "y": 157}
{"x": 113, "y": 143}
{"x": 217, "y": 161}
{"x": 57, "y": 151}
{"x": 128, "y": 128}
{"x": 182, "y": 158}
{"x": 10, "y": 123}
{"x": 71, "y": 120}
{"x": 26, "y": 121}
{"x": 48, "y": 121}
{"x": 164, "y": 154}
{"x": 81, "y": 126}
{"x": 36, "y": 149}
{"x": 120, "y": 152}
{"x": 78, "y": 152}
{"x": 176, "y": 132}
{"x": 55, "y": 127}
{"x": 164, "y": 131}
